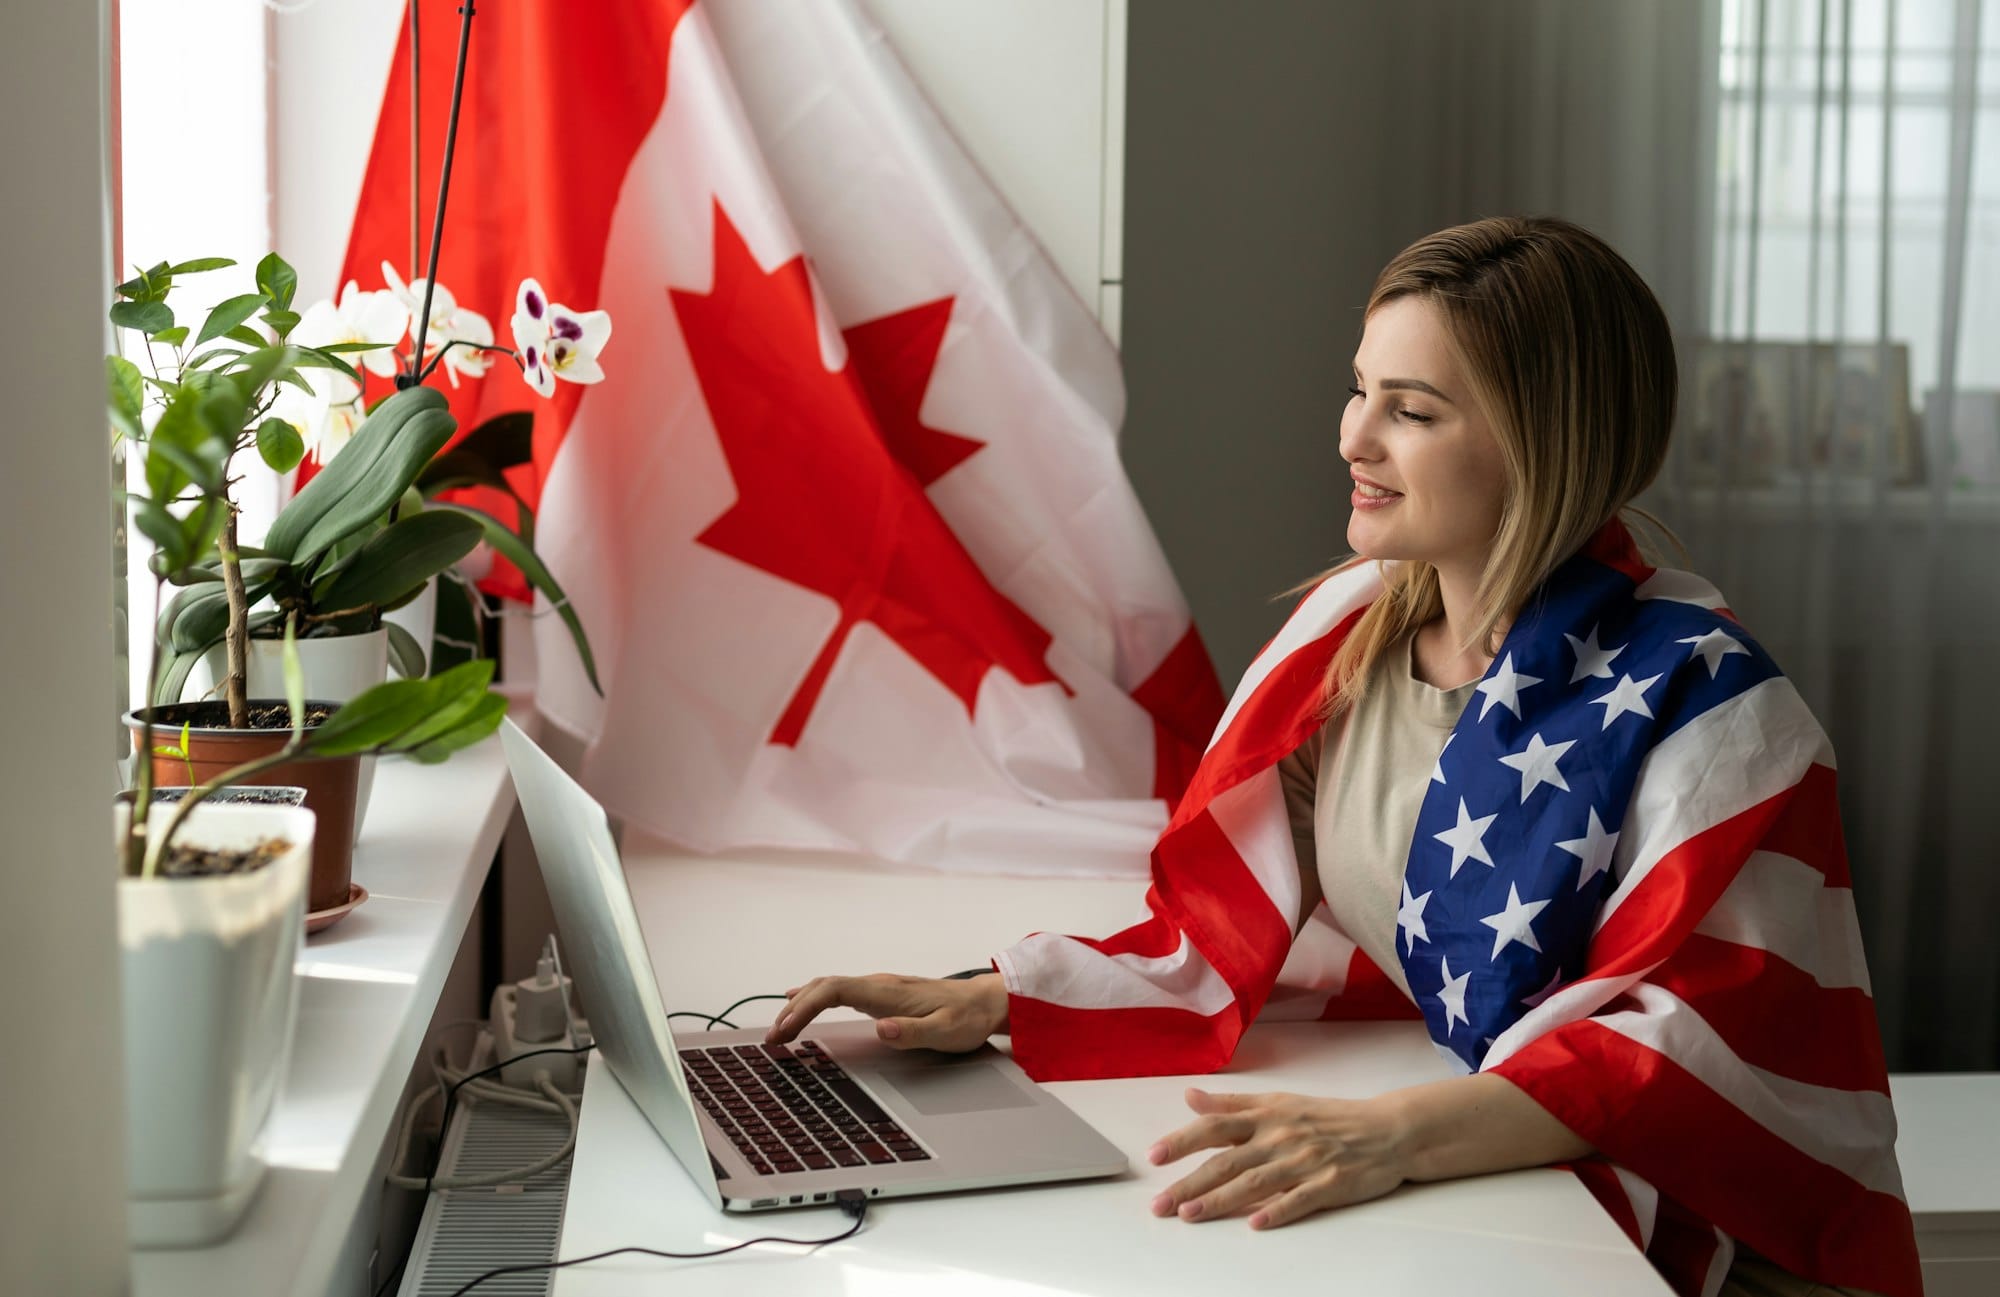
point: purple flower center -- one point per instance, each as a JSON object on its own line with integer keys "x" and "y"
{"x": 565, "y": 327}
{"x": 534, "y": 359}
{"x": 534, "y": 303}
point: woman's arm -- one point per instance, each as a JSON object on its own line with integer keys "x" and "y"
{"x": 1290, "y": 1155}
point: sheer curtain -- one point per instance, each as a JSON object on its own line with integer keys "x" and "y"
{"x": 1837, "y": 465}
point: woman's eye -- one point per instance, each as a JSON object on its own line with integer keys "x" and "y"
{"x": 1413, "y": 416}
{"x": 1355, "y": 391}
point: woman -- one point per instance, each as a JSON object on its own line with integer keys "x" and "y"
{"x": 1551, "y": 798}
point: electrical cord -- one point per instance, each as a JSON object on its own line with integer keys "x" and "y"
{"x": 851, "y": 1201}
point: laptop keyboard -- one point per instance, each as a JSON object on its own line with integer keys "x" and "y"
{"x": 794, "y": 1109}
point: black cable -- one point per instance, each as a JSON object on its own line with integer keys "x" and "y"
{"x": 724, "y": 1015}
{"x": 451, "y": 1099}
{"x": 710, "y": 1018}
{"x": 393, "y": 1275}
{"x": 851, "y": 1201}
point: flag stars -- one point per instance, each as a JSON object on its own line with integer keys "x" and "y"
{"x": 1537, "y": 764}
{"x": 1515, "y": 923}
{"x": 1467, "y": 838}
{"x": 1504, "y": 687}
{"x": 1452, "y": 996}
{"x": 1594, "y": 849}
{"x": 1713, "y": 647}
{"x": 1627, "y": 696}
{"x": 1590, "y": 659}
{"x": 1410, "y": 919}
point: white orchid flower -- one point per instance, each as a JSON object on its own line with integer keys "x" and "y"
{"x": 449, "y": 323}
{"x": 358, "y": 317}
{"x": 324, "y": 425}
{"x": 555, "y": 341}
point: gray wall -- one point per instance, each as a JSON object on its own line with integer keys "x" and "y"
{"x": 62, "y": 1217}
{"x": 1277, "y": 154}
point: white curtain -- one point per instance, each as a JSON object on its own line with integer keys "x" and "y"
{"x": 1837, "y": 464}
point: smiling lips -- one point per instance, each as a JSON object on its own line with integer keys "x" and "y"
{"x": 1367, "y": 495}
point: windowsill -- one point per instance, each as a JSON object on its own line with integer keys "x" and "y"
{"x": 368, "y": 988}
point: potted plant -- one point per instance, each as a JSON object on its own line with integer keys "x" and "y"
{"x": 212, "y": 898}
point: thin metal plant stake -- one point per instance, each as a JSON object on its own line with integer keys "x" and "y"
{"x": 412, "y": 377}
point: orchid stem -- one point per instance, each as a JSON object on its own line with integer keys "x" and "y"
{"x": 444, "y": 188}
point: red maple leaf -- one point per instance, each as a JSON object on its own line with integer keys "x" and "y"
{"x": 830, "y": 468}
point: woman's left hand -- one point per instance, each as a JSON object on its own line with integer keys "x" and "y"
{"x": 1291, "y": 1153}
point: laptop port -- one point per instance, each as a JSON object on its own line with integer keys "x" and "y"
{"x": 765, "y": 1202}
{"x": 798, "y": 1198}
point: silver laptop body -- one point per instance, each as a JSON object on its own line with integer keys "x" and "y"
{"x": 977, "y": 1118}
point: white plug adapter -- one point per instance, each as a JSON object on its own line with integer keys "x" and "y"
{"x": 530, "y": 1015}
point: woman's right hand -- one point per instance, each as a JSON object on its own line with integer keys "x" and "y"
{"x": 955, "y": 1015}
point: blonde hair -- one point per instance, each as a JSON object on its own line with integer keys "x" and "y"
{"x": 1571, "y": 361}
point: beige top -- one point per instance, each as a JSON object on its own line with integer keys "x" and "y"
{"x": 1353, "y": 790}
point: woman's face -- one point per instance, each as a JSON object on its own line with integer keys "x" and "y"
{"x": 1428, "y": 475}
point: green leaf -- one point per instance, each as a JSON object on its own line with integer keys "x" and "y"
{"x": 502, "y": 441}
{"x": 342, "y": 348}
{"x": 280, "y": 444}
{"x": 228, "y": 314}
{"x": 317, "y": 358}
{"x": 368, "y": 475}
{"x": 405, "y": 554}
{"x": 202, "y": 358}
{"x": 477, "y": 724}
{"x": 127, "y": 390}
{"x": 200, "y": 264}
{"x": 375, "y": 718}
{"x": 277, "y": 280}
{"x": 202, "y": 620}
{"x": 521, "y": 556}
{"x": 282, "y": 322}
{"x": 406, "y": 656}
{"x": 173, "y": 676}
{"x": 173, "y": 337}
{"x": 248, "y": 336}
{"x": 458, "y": 692}
{"x": 146, "y": 317}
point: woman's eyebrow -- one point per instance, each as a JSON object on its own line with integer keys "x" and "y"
{"x": 1407, "y": 385}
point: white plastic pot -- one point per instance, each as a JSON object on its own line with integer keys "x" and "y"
{"x": 210, "y": 1003}
{"x": 336, "y": 669}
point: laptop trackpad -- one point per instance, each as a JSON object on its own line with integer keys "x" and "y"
{"x": 942, "y": 1091}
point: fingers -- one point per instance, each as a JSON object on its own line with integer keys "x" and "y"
{"x": 1301, "y": 1200}
{"x": 1209, "y": 1132}
{"x": 879, "y": 995}
{"x": 803, "y": 1004}
{"x": 1229, "y": 1182}
{"x": 1205, "y": 1101}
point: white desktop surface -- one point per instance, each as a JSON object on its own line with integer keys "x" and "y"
{"x": 724, "y": 927}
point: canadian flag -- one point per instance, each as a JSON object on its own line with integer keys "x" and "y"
{"x": 846, "y": 522}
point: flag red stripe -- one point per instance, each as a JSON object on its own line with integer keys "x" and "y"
{"x": 1219, "y": 903}
{"x": 1269, "y": 725}
{"x": 1053, "y": 1042}
{"x": 1643, "y": 1110}
{"x": 1681, "y": 887}
{"x": 1683, "y": 1248}
{"x": 1808, "y": 830}
{"x": 1822, "y": 1035}
{"x": 1184, "y": 697}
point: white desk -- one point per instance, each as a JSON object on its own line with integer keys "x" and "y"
{"x": 723, "y": 928}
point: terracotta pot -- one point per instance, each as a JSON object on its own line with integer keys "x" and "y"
{"x": 214, "y": 747}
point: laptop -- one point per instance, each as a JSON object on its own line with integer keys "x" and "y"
{"x": 766, "y": 1126}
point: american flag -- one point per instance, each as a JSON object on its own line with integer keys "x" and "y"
{"x": 1627, "y": 893}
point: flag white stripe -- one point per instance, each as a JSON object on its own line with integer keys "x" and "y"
{"x": 1645, "y": 1200}
{"x": 1784, "y": 906}
{"x": 1849, "y": 1130}
{"x": 1252, "y": 816}
{"x": 1323, "y": 609}
{"x": 1314, "y": 973}
{"x": 1718, "y": 1265}
{"x": 1064, "y": 971}
{"x": 1736, "y": 755}
{"x": 1679, "y": 587}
